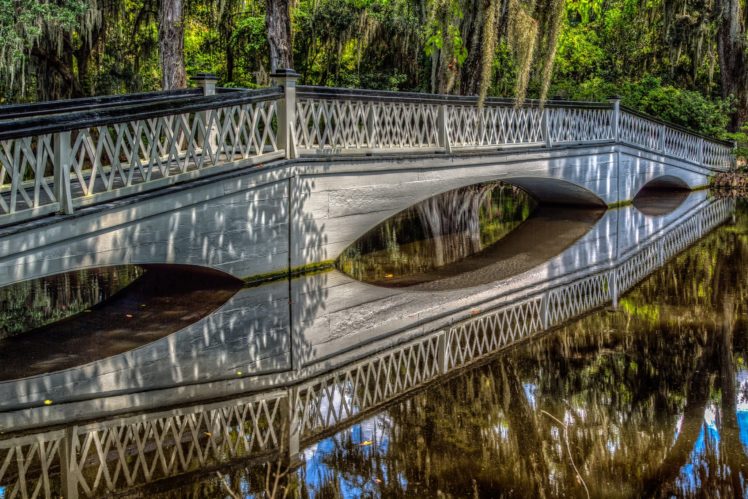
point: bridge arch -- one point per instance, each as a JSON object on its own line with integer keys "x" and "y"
{"x": 667, "y": 182}
{"x": 556, "y": 191}
{"x": 673, "y": 180}
{"x": 545, "y": 190}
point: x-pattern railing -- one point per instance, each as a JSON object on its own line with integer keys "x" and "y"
{"x": 118, "y": 455}
{"x": 62, "y": 155}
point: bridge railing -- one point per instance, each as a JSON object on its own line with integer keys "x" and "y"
{"x": 63, "y": 155}
{"x": 67, "y": 159}
{"x": 649, "y": 133}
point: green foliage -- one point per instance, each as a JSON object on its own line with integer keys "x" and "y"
{"x": 649, "y": 95}
{"x": 659, "y": 59}
{"x": 24, "y": 23}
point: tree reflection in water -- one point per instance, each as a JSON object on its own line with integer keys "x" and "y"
{"x": 654, "y": 396}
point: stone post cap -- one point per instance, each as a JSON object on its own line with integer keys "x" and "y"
{"x": 284, "y": 73}
{"x": 204, "y": 77}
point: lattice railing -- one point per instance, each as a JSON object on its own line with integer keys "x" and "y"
{"x": 27, "y": 175}
{"x": 639, "y": 131}
{"x": 490, "y": 332}
{"x": 494, "y": 125}
{"x": 346, "y": 393}
{"x": 347, "y": 124}
{"x": 568, "y": 124}
{"x": 124, "y": 155}
{"x": 683, "y": 145}
{"x": 90, "y": 157}
{"x": 657, "y": 136}
{"x": 717, "y": 156}
{"x": 96, "y": 459}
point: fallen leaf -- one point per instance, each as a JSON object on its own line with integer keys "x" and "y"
{"x": 47, "y": 402}
{"x": 366, "y": 442}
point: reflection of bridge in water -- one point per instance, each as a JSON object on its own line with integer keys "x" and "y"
{"x": 334, "y": 378}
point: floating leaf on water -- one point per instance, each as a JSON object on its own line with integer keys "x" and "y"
{"x": 366, "y": 442}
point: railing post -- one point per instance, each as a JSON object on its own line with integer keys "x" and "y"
{"x": 545, "y": 311}
{"x": 286, "y": 78}
{"x": 663, "y": 131}
{"x": 616, "y": 119}
{"x": 546, "y": 122}
{"x": 371, "y": 125}
{"x": 62, "y": 147}
{"x": 443, "y": 121}
{"x": 701, "y": 151}
{"x": 207, "y": 81}
{"x": 613, "y": 287}
{"x": 69, "y": 464}
{"x": 291, "y": 424}
{"x": 442, "y": 357}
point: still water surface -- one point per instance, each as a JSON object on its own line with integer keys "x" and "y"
{"x": 645, "y": 399}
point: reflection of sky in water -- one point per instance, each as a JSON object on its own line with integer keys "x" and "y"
{"x": 688, "y": 480}
{"x": 742, "y": 390}
{"x": 371, "y": 437}
{"x": 530, "y": 389}
{"x": 709, "y": 435}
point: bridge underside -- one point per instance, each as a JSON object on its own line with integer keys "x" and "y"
{"x": 260, "y": 220}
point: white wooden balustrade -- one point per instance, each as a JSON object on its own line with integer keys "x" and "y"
{"x": 66, "y": 155}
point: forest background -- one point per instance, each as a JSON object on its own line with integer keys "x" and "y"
{"x": 685, "y": 61}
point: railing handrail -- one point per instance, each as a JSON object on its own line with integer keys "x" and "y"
{"x": 309, "y": 91}
{"x": 10, "y": 111}
{"x": 44, "y": 124}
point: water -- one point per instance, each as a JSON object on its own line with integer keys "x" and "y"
{"x": 31, "y": 304}
{"x": 643, "y": 397}
{"x": 646, "y": 400}
{"x": 71, "y": 319}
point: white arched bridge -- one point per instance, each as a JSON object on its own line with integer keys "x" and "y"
{"x": 256, "y": 182}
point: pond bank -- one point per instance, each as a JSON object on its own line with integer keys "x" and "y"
{"x": 731, "y": 184}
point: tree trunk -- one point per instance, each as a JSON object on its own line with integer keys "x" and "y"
{"x": 171, "y": 44}
{"x": 279, "y": 34}
{"x": 731, "y": 46}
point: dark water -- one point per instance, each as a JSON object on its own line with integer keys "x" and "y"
{"x": 30, "y": 304}
{"x": 647, "y": 400}
{"x": 68, "y": 320}
{"x": 428, "y": 240}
